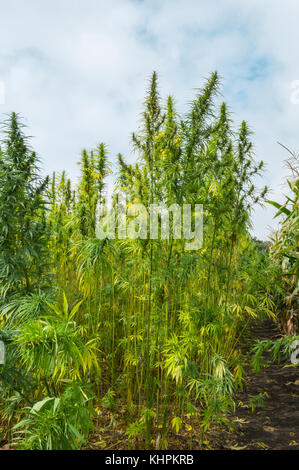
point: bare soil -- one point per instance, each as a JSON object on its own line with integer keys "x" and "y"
{"x": 274, "y": 426}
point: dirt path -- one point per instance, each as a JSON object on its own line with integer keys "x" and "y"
{"x": 276, "y": 424}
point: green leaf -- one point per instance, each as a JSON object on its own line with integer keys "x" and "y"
{"x": 282, "y": 209}
{"x": 40, "y": 404}
{"x": 76, "y": 432}
{"x": 75, "y": 309}
{"x": 65, "y": 305}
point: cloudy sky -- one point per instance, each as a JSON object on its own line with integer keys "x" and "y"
{"x": 77, "y": 71}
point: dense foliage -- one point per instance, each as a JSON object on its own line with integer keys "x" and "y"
{"x": 284, "y": 251}
{"x": 141, "y": 328}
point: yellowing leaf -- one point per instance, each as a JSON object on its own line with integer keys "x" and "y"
{"x": 176, "y": 423}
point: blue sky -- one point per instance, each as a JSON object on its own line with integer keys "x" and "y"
{"x": 77, "y": 72}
